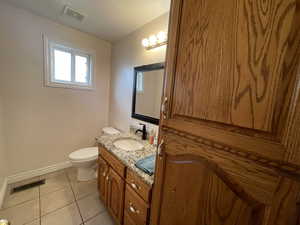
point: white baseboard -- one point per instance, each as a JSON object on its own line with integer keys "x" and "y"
{"x": 3, "y": 192}
{"x": 38, "y": 172}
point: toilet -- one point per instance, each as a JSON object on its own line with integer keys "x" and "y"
{"x": 85, "y": 159}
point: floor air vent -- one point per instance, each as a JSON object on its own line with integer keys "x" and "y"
{"x": 27, "y": 186}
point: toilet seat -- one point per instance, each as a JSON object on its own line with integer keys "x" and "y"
{"x": 84, "y": 154}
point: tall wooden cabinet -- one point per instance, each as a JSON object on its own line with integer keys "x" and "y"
{"x": 230, "y": 124}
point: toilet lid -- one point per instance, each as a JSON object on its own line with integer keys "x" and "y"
{"x": 84, "y": 154}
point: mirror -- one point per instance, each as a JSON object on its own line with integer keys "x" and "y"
{"x": 147, "y": 92}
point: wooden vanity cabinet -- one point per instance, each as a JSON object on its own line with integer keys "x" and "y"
{"x": 130, "y": 204}
{"x": 111, "y": 184}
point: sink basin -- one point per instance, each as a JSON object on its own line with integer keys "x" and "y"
{"x": 128, "y": 144}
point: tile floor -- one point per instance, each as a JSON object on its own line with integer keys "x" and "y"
{"x": 62, "y": 200}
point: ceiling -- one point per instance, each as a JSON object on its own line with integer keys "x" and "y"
{"x": 107, "y": 19}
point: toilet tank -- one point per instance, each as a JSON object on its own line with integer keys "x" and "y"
{"x": 110, "y": 131}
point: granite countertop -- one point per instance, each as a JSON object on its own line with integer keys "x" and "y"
{"x": 129, "y": 158}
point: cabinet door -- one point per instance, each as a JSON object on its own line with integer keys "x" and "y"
{"x": 115, "y": 195}
{"x": 128, "y": 220}
{"x": 102, "y": 175}
{"x": 232, "y": 99}
{"x": 196, "y": 187}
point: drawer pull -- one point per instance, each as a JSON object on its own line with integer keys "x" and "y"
{"x": 133, "y": 210}
{"x": 134, "y": 186}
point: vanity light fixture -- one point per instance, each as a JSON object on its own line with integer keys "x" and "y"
{"x": 155, "y": 41}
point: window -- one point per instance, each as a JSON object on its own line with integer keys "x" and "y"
{"x": 67, "y": 67}
{"x": 140, "y": 82}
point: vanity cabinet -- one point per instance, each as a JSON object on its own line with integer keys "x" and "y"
{"x": 111, "y": 184}
{"x": 126, "y": 196}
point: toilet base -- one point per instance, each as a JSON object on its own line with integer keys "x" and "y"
{"x": 86, "y": 174}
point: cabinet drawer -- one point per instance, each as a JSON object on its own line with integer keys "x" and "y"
{"x": 137, "y": 184}
{"x": 116, "y": 164}
{"x": 135, "y": 207}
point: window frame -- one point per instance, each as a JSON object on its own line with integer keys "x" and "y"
{"x": 50, "y": 46}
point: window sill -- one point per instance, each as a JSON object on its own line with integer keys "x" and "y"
{"x": 69, "y": 86}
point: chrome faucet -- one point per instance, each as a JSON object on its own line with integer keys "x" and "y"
{"x": 143, "y": 131}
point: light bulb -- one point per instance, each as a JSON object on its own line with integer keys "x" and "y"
{"x": 145, "y": 42}
{"x": 161, "y": 37}
{"x": 152, "y": 40}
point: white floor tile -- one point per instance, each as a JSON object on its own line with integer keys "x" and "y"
{"x": 68, "y": 215}
{"x": 90, "y": 206}
{"x": 56, "y": 200}
{"x": 101, "y": 219}
{"x": 23, "y": 213}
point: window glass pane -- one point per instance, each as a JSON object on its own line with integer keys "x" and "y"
{"x": 81, "y": 69}
{"x": 140, "y": 82}
{"x": 62, "y": 65}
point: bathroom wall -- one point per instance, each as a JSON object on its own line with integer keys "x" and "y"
{"x": 3, "y": 159}
{"x": 127, "y": 54}
{"x": 42, "y": 124}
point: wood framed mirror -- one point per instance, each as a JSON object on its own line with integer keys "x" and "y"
{"x": 147, "y": 92}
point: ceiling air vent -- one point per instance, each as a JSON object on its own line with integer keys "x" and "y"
{"x": 73, "y": 13}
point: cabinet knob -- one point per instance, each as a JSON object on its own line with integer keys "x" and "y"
{"x": 104, "y": 174}
{"x": 132, "y": 209}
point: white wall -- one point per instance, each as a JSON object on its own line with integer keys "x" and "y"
{"x": 42, "y": 124}
{"x": 3, "y": 159}
{"x": 127, "y": 54}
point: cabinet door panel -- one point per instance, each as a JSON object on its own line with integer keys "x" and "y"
{"x": 102, "y": 174}
{"x": 204, "y": 194}
{"x": 230, "y": 61}
{"x": 115, "y": 195}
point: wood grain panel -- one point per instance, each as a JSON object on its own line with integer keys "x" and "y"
{"x": 113, "y": 161}
{"x": 204, "y": 195}
{"x": 269, "y": 149}
{"x": 102, "y": 174}
{"x": 285, "y": 208}
{"x": 230, "y": 60}
{"x": 257, "y": 180}
{"x": 135, "y": 207}
{"x": 115, "y": 196}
